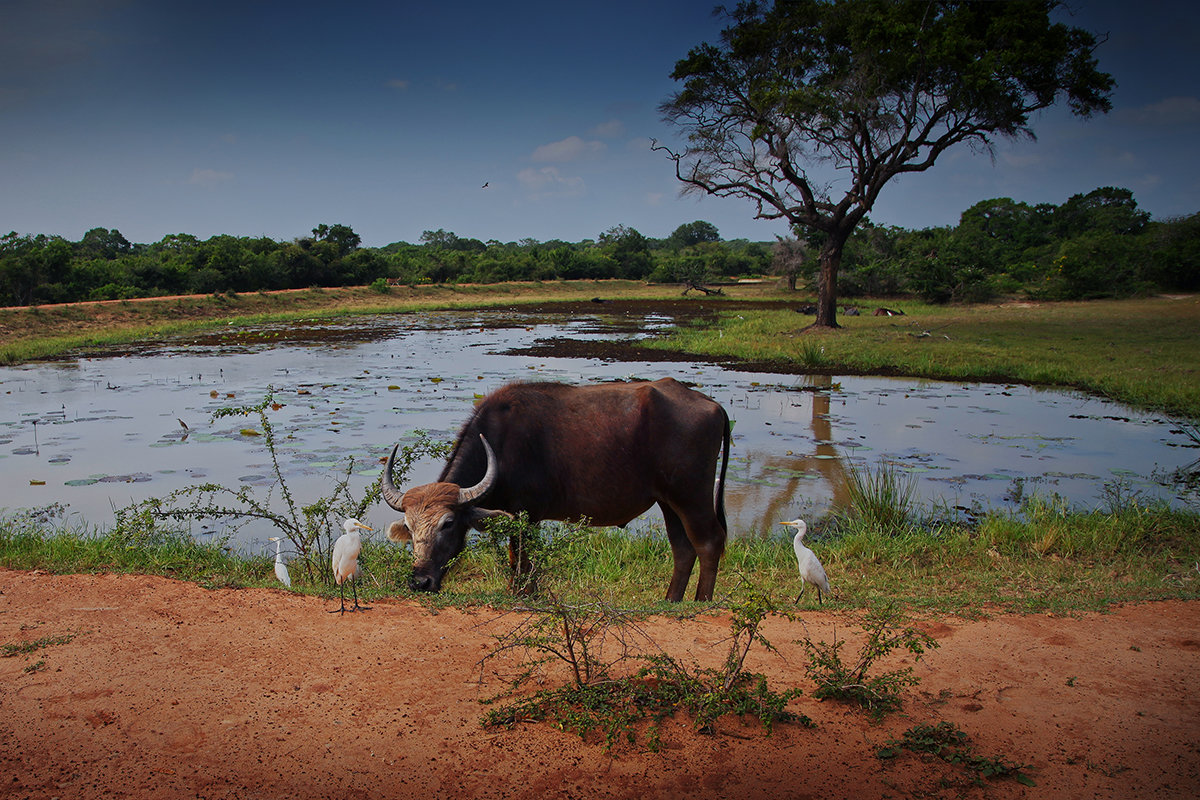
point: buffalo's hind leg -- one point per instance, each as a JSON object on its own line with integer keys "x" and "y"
{"x": 706, "y": 535}
{"x": 683, "y": 552}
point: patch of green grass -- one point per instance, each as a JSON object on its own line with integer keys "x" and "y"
{"x": 1141, "y": 352}
{"x": 27, "y": 543}
{"x": 882, "y": 498}
{"x": 1045, "y": 557}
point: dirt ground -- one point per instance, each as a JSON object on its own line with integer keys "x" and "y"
{"x": 168, "y": 690}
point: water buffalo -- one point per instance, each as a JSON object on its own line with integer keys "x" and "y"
{"x": 605, "y": 453}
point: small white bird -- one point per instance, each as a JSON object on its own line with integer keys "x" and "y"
{"x": 811, "y": 570}
{"x": 281, "y": 571}
{"x": 345, "y": 560}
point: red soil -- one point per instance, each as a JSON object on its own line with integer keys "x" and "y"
{"x": 168, "y": 690}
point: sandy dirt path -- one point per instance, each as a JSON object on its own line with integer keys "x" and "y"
{"x": 168, "y": 690}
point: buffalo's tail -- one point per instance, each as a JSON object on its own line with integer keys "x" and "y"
{"x": 724, "y": 465}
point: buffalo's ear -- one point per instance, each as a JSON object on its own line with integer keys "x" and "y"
{"x": 398, "y": 531}
{"x": 479, "y": 515}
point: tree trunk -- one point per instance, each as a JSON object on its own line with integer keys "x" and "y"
{"x": 831, "y": 259}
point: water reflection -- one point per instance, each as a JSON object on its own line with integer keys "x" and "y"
{"x": 100, "y": 432}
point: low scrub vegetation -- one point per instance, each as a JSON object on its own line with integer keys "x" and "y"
{"x": 853, "y": 681}
{"x": 598, "y": 643}
{"x": 946, "y": 741}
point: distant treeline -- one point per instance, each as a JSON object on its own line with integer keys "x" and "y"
{"x": 1094, "y": 245}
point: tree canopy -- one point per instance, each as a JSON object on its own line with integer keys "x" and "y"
{"x": 872, "y": 89}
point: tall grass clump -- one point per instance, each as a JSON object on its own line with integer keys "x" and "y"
{"x": 810, "y": 353}
{"x": 884, "y": 498}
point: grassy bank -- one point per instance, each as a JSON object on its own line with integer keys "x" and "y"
{"x": 1141, "y": 352}
{"x": 1051, "y": 560}
{"x": 34, "y": 332}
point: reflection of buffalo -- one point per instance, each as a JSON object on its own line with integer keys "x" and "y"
{"x": 605, "y": 453}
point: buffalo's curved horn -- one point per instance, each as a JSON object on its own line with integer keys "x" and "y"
{"x": 480, "y": 489}
{"x": 391, "y": 495}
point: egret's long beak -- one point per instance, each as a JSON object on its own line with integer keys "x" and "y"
{"x": 364, "y": 527}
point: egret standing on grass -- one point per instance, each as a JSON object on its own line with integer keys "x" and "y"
{"x": 280, "y": 568}
{"x": 345, "y": 560}
{"x": 811, "y": 570}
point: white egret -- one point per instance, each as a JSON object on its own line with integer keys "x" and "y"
{"x": 811, "y": 570}
{"x": 345, "y": 560}
{"x": 281, "y": 570}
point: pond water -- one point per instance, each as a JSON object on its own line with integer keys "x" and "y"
{"x": 100, "y": 432}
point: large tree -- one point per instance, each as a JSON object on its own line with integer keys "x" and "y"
{"x": 871, "y": 88}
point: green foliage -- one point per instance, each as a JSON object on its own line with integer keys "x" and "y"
{"x": 849, "y": 682}
{"x": 692, "y": 233}
{"x": 946, "y": 741}
{"x": 41, "y": 269}
{"x": 1094, "y": 245}
{"x": 594, "y": 638}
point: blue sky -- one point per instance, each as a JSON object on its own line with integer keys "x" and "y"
{"x": 260, "y": 117}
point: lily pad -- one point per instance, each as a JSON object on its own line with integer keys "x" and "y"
{"x": 133, "y": 477}
{"x": 82, "y": 481}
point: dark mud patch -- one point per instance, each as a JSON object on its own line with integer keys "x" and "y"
{"x": 681, "y": 311}
{"x": 632, "y": 317}
{"x": 605, "y": 351}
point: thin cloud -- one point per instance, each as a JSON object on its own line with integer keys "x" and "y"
{"x": 399, "y": 84}
{"x": 549, "y": 181}
{"x": 1168, "y": 112}
{"x": 612, "y": 129}
{"x": 572, "y": 148}
{"x": 1022, "y": 161}
{"x": 209, "y": 177}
